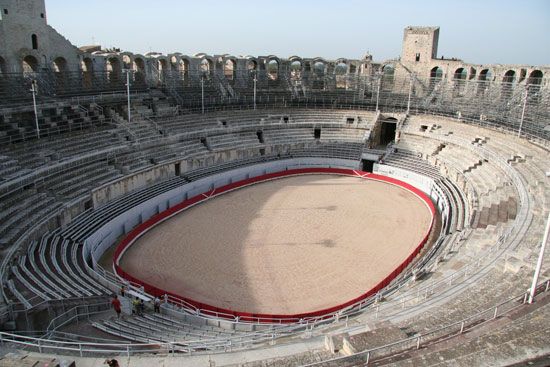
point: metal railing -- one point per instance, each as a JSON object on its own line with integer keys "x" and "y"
{"x": 231, "y": 343}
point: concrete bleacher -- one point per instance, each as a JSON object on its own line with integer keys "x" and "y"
{"x": 53, "y": 267}
{"x": 161, "y": 328}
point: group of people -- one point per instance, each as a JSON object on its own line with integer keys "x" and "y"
{"x": 138, "y": 305}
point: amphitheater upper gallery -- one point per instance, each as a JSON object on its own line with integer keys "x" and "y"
{"x": 269, "y": 211}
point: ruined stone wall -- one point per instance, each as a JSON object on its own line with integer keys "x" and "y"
{"x": 20, "y": 20}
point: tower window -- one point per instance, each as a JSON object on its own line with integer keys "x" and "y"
{"x": 6, "y": 11}
{"x": 417, "y": 57}
{"x": 42, "y": 15}
{"x": 34, "y": 39}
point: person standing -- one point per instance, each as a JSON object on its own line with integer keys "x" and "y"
{"x": 116, "y": 306}
{"x": 157, "y": 305}
{"x": 141, "y": 307}
{"x": 135, "y": 304}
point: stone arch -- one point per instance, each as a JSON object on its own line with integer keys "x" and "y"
{"x": 341, "y": 71}
{"x": 509, "y": 77}
{"x": 535, "y": 77}
{"x": 174, "y": 64}
{"x": 273, "y": 66}
{"x": 184, "y": 67}
{"x": 296, "y": 68}
{"x": 472, "y": 73}
{"x": 162, "y": 65}
{"x": 484, "y": 79}
{"x": 319, "y": 68}
{"x": 229, "y": 69}
{"x": 206, "y": 65}
{"x": 113, "y": 68}
{"x": 341, "y": 68}
{"x": 507, "y": 83}
{"x": 59, "y": 65}
{"x": 485, "y": 75}
{"x": 252, "y": 64}
{"x": 127, "y": 62}
{"x": 139, "y": 67}
{"x": 534, "y": 83}
{"x": 388, "y": 76}
{"x": 87, "y": 65}
{"x": 460, "y": 74}
{"x": 436, "y": 73}
{"x": 30, "y": 64}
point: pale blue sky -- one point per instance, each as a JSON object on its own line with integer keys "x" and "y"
{"x": 478, "y": 31}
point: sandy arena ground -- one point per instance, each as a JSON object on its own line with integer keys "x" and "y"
{"x": 294, "y": 245}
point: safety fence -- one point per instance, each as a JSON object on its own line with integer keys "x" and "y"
{"x": 212, "y": 311}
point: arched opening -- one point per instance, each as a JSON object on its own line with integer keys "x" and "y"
{"x": 534, "y": 83}
{"x": 127, "y": 62}
{"x": 87, "y": 72}
{"x": 139, "y": 67}
{"x": 296, "y": 69}
{"x": 341, "y": 72}
{"x": 436, "y": 75}
{"x": 174, "y": 65}
{"x": 30, "y": 64}
{"x": 535, "y": 78}
{"x": 388, "y": 76}
{"x": 113, "y": 69}
{"x": 509, "y": 76}
{"x": 459, "y": 77}
{"x": 251, "y": 65}
{"x": 206, "y": 66}
{"x": 460, "y": 74}
{"x": 59, "y": 65}
{"x": 87, "y": 65}
{"x": 507, "y": 83}
{"x": 352, "y": 68}
{"x": 319, "y": 70}
{"x": 184, "y": 68}
{"x": 34, "y": 41}
{"x": 484, "y": 80}
{"x": 473, "y": 72}
{"x": 273, "y": 70}
{"x": 229, "y": 69}
{"x": 485, "y": 75}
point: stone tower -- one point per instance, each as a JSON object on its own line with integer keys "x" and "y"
{"x": 28, "y": 43}
{"x": 419, "y": 44}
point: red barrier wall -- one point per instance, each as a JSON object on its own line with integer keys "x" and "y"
{"x": 244, "y": 316}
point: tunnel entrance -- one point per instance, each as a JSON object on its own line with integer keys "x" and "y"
{"x": 387, "y": 133}
{"x": 367, "y": 165}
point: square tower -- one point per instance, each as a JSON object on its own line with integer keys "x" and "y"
{"x": 419, "y": 44}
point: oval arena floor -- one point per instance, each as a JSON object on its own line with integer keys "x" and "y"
{"x": 293, "y": 245}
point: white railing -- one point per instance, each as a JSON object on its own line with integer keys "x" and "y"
{"x": 231, "y": 343}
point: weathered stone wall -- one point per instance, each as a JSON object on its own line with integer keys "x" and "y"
{"x": 24, "y": 19}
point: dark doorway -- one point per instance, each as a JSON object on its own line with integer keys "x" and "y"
{"x": 260, "y": 135}
{"x": 367, "y": 166}
{"x": 387, "y": 135}
{"x": 317, "y": 133}
{"x": 177, "y": 169}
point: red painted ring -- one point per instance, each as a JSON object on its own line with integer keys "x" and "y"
{"x": 210, "y": 310}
